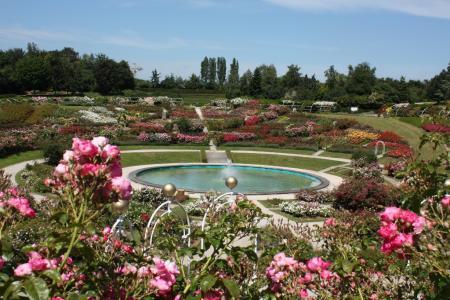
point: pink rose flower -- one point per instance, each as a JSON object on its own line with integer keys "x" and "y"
{"x": 68, "y": 155}
{"x": 90, "y": 169}
{"x": 86, "y": 148}
{"x": 116, "y": 170}
{"x": 23, "y": 270}
{"x": 111, "y": 152}
{"x": 419, "y": 225}
{"x": 331, "y": 222}
{"x": 390, "y": 214}
{"x": 122, "y": 186}
{"x": 61, "y": 170}
{"x": 143, "y": 272}
{"x": 2, "y": 262}
{"x": 303, "y": 294}
{"x": 388, "y": 231}
{"x": 445, "y": 202}
{"x": 100, "y": 141}
{"x": 316, "y": 264}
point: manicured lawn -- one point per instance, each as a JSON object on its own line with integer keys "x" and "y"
{"x": 175, "y": 147}
{"x": 264, "y": 149}
{"x": 19, "y": 157}
{"x": 415, "y": 121}
{"x": 336, "y": 154}
{"x": 135, "y": 159}
{"x": 341, "y": 172}
{"x": 284, "y": 161}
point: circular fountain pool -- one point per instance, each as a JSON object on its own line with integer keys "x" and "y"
{"x": 252, "y": 179}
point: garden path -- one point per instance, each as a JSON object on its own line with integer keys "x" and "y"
{"x": 319, "y": 152}
{"x": 216, "y": 157}
{"x": 334, "y": 167}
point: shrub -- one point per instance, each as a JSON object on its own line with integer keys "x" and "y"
{"x": 184, "y": 124}
{"x": 149, "y": 195}
{"x": 15, "y": 114}
{"x": 367, "y": 156}
{"x": 345, "y": 123}
{"x": 233, "y": 123}
{"x": 358, "y": 194}
{"x": 53, "y": 148}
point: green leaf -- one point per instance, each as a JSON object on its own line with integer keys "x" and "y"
{"x": 12, "y": 289}
{"x": 207, "y": 282}
{"x": 136, "y": 235}
{"x": 36, "y": 288}
{"x": 347, "y": 266}
{"x": 232, "y": 287}
{"x": 52, "y": 274}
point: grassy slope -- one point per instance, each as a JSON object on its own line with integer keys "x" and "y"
{"x": 284, "y": 161}
{"x": 19, "y": 157}
{"x": 135, "y": 159}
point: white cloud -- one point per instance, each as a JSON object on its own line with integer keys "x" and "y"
{"x": 426, "y": 8}
{"x": 19, "y": 33}
{"x": 137, "y": 42}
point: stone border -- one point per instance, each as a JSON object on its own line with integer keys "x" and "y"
{"x": 329, "y": 181}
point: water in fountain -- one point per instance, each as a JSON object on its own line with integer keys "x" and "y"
{"x": 227, "y": 172}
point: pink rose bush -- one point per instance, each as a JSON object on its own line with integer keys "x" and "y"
{"x": 288, "y": 277}
{"x": 89, "y": 159}
{"x": 186, "y": 138}
{"x": 399, "y": 227}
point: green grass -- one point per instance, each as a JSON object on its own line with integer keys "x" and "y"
{"x": 336, "y": 154}
{"x": 174, "y": 147}
{"x": 135, "y": 159}
{"x": 19, "y": 157}
{"x": 415, "y": 121}
{"x": 341, "y": 172}
{"x": 284, "y": 161}
{"x": 264, "y": 149}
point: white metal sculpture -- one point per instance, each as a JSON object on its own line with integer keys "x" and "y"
{"x": 382, "y": 144}
{"x": 169, "y": 191}
{"x": 231, "y": 183}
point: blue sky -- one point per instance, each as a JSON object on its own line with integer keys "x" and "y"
{"x": 399, "y": 37}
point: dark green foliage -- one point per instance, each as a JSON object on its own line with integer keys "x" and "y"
{"x": 184, "y": 124}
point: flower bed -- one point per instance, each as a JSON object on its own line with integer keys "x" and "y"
{"x": 436, "y": 128}
{"x": 186, "y": 138}
{"x": 305, "y": 209}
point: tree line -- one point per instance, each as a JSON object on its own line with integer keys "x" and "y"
{"x": 61, "y": 70}
{"x": 359, "y": 86}
{"x": 66, "y": 70}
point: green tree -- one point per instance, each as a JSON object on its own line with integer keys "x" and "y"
{"x": 32, "y": 72}
{"x": 245, "y": 83}
{"x": 154, "y": 80}
{"x": 221, "y": 70}
{"x": 212, "y": 72}
{"x": 255, "y": 84}
{"x": 292, "y": 78}
{"x": 270, "y": 85}
{"x": 361, "y": 79}
{"x": 193, "y": 82}
{"x": 204, "y": 70}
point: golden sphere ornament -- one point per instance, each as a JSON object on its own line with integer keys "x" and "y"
{"x": 169, "y": 190}
{"x": 447, "y": 183}
{"x": 231, "y": 182}
{"x": 120, "y": 205}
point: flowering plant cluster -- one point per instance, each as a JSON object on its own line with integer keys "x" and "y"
{"x": 270, "y": 115}
{"x": 18, "y": 139}
{"x": 96, "y": 118}
{"x": 399, "y": 227}
{"x": 238, "y": 136}
{"x": 162, "y": 138}
{"x": 436, "y": 128}
{"x": 389, "y": 136}
{"x": 190, "y": 114}
{"x": 291, "y": 278}
{"x": 356, "y": 136}
{"x": 147, "y": 127}
{"x": 251, "y": 120}
{"x": 279, "y": 109}
{"x": 186, "y": 138}
{"x": 306, "y": 209}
